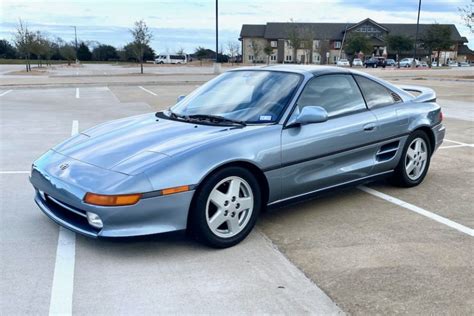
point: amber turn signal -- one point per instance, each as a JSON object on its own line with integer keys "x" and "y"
{"x": 174, "y": 190}
{"x": 111, "y": 200}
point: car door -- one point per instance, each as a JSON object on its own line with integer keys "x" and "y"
{"x": 321, "y": 155}
{"x": 392, "y": 117}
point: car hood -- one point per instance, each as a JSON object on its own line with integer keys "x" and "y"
{"x": 127, "y": 145}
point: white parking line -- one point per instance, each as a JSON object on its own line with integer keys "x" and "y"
{"x": 77, "y": 93}
{"x": 456, "y": 142}
{"x": 146, "y": 90}
{"x": 63, "y": 280}
{"x": 419, "y": 210}
{"x": 5, "y": 93}
{"x": 455, "y": 146}
{"x": 14, "y": 172}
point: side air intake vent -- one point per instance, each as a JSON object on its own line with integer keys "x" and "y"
{"x": 396, "y": 97}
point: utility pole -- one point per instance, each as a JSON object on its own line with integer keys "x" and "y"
{"x": 416, "y": 34}
{"x": 75, "y": 39}
{"x": 217, "y": 31}
{"x": 342, "y": 44}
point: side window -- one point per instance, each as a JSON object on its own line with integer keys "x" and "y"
{"x": 374, "y": 93}
{"x": 338, "y": 94}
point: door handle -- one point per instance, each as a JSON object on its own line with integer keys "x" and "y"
{"x": 369, "y": 127}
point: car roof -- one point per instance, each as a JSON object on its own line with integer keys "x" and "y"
{"x": 299, "y": 69}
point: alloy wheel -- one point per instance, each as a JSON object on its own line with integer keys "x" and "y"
{"x": 416, "y": 158}
{"x": 229, "y": 207}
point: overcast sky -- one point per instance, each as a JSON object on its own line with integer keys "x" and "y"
{"x": 190, "y": 23}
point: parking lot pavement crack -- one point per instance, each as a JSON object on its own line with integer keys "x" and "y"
{"x": 334, "y": 309}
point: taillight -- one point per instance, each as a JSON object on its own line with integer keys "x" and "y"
{"x": 440, "y": 116}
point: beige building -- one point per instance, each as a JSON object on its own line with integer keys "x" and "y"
{"x": 327, "y": 41}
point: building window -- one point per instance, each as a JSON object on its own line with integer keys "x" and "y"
{"x": 317, "y": 43}
{"x": 337, "y": 44}
{"x": 334, "y": 58}
{"x": 288, "y": 58}
{"x": 273, "y": 57}
{"x": 250, "y": 57}
{"x": 273, "y": 44}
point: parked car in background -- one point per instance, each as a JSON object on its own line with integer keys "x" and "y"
{"x": 170, "y": 59}
{"x": 357, "y": 62}
{"x": 453, "y": 63}
{"x": 390, "y": 62}
{"x": 423, "y": 64}
{"x": 375, "y": 62}
{"x": 464, "y": 64}
{"x": 434, "y": 64}
{"x": 407, "y": 62}
{"x": 343, "y": 63}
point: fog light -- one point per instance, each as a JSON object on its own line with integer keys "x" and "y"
{"x": 94, "y": 220}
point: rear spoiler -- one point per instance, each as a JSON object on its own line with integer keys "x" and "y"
{"x": 422, "y": 94}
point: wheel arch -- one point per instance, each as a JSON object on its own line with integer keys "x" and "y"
{"x": 255, "y": 170}
{"x": 427, "y": 130}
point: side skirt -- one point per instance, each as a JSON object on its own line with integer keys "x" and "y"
{"x": 310, "y": 195}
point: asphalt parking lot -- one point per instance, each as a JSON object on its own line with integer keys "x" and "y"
{"x": 369, "y": 250}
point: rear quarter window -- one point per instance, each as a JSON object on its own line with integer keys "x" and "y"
{"x": 375, "y": 94}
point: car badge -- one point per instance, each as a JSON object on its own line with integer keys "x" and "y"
{"x": 64, "y": 166}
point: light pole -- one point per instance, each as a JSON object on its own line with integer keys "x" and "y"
{"x": 416, "y": 34}
{"x": 217, "y": 31}
{"x": 75, "y": 39}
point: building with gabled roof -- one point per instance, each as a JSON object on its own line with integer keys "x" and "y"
{"x": 328, "y": 40}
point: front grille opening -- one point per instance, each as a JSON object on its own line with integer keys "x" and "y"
{"x": 77, "y": 218}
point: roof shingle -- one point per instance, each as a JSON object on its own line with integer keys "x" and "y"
{"x": 334, "y": 31}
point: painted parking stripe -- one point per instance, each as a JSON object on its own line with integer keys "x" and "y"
{"x": 63, "y": 280}
{"x": 419, "y": 210}
{"x": 5, "y": 93}
{"x": 146, "y": 90}
{"x": 15, "y": 172}
{"x": 455, "y": 146}
{"x": 456, "y": 142}
{"x": 77, "y": 93}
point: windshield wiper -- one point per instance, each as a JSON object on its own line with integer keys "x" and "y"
{"x": 177, "y": 116}
{"x": 215, "y": 118}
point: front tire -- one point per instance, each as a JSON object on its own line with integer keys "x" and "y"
{"x": 225, "y": 208}
{"x": 415, "y": 161}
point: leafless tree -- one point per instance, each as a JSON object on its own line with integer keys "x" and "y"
{"x": 323, "y": 50}
{"x": 307, "y": 44}
{"x": 142, "y": 36}
{"x": 24, "y": 41}
{"x": 180, "y": 52}
{"x": 40, "y": 47}
{"x": 268, "y": 50}
{"x": 233, "y": 48}
{"x": 467, "y": 15}
{"x": 256, "y": 49}
{"x": 294, "y": 38}
{"x": 67, "y": 51}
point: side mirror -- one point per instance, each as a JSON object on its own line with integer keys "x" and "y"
{"x": 181, "y": 97}
{"x": 309, "y": 115}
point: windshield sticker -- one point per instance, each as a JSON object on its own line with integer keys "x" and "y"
{"x": 265, "y": 117}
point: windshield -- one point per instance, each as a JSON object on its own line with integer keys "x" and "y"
{"x": 244, "y": 96}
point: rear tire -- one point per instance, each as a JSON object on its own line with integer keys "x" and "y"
{"x": 225, "y": 208}
{"x": 414, "y": 162}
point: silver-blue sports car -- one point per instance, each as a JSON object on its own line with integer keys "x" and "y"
{"x": 249, "y": 138}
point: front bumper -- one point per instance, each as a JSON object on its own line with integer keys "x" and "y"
{"x": 62, "y": 202}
